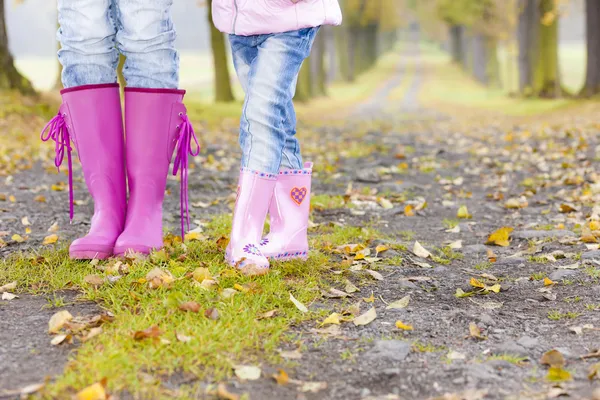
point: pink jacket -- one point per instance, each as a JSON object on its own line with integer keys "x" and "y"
{"x": 255, "y": 17}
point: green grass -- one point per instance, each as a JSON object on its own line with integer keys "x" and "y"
{"x": 236, "y": 337}
{"x": 327, "y": 201}
{"x": 511, "y": 358}
{"x": 483, "y": 266}
{"x": 450, "y": 223}
{"x": 421, "y": 347}
{"x": 556, "y": 315}
{"x": 538, "y": 276}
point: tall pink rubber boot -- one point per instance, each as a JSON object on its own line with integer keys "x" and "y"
{"x": 91, "y": 117}
{"x": 156, "y": 124}
{"x": 255, "y": 191}
{"x": 289, "y": 211}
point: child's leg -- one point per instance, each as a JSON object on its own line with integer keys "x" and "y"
{"x": 268, "y": 112}
{"x": 268, "y": 67}
{"x": 146, "y": 37}
{"x": 87, "y": 36}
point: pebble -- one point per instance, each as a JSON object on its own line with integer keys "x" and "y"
{"x": 528, "y": 342}
{"x": 541, "y": 234}
{"x": 475, "y": 249}
{"x": 487, "y": 319}
{"x": 510, "y": 261}
{"x": 511, "y": 347}
{"x": 392, "y": 350}
{"x": 407, "y": 284}
{"x": 561, "y": 274}
{"x": 590, "y": 255}
{"x": 368, "y": 176}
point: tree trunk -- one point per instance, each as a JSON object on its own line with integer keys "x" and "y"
{"x": 222, "y": 78}
{"x": 456, "y": 43}
{"x": 318, "y": 71}
{"x": 479, "y": 61}
{"x": 10, "y": 78}
{"x": 331, "y": 54}
{"x": 353, "y": 43}
{"x": 547, "y": 73}
{"x": 528, "y": 43}
{"x": 492, "y": 68}
{"x": 592, "y": 79}
{"x": 304, "y": 86}
{"x": 371, "y": 45}
{"x": 343, "y": 52}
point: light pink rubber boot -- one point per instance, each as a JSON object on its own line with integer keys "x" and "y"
{"x": 91, "y": 116}
{"x": 255, "y": 191}
{"x": 289, "y": 211}
{"x": 155, "y": 123}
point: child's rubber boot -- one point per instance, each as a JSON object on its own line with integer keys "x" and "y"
{"x": 91, "y": 117}
{"x": 255, "y": 191}
{"x": 156, "y": 124}
{"x": 289, "y": 211}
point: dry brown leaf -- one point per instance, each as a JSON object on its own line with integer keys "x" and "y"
{"x": 224, "y": 394}
{"x": 190, "y": 306}
{"x": 212, "y": 313}
{"x": 50, "y": 239}
{"x": 94, "y": 280}
{"x": 475, "y": 332}
{"x": 151, "y": 333}
{"x": 58, "y": 320}
{"x": 553, "y": 358}
{"x": 158, "y": 277}
{"x": 268, "y": 314}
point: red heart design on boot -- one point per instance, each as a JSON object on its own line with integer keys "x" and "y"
{"x": 299, "y": 194}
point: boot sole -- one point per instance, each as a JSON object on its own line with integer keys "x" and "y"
{"x": 289, "y": 255}
{"x": 89, "y": 255}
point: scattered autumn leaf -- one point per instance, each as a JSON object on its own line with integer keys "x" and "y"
{"x": 247, "y": 372}
{"x": 463, "y": 213}
{"x": 398, "y": 304}
{"x": 298, "y": 305}
{"x": 500, "y": 237}
{"x": 475, "y": 332}
{"x": 281, "y": 377}
{"x": 548, "y": 282}
{"x": 366, "y": 318}
{"x": 97, "y": 391}
{"x": 403, "y": 326}
{"x": 50, "y": 239}
{"x": 58, "y": 320}
{"x": 332, "y": 319}
{"x": 420, "y": 251}
{"x": 190, "y": 306}
{"x": 553, "y": 358}
{"x": 151, "y": 333}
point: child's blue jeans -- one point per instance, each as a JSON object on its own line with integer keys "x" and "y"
{"x": 92, "y": 32}
{"x": 268, "y": 67}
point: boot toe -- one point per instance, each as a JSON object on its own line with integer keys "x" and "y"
{"x": 88, "y": 248}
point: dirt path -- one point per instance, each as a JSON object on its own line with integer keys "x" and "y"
{"x": 434, "y": 172}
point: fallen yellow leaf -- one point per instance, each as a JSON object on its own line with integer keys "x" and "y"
{"x": 409, "y": 211}
{"x": 500, "y": 237}
{"x": 463, "y": 213}
{"x": 548, "y": 282}
{"x": 94, "y": 392}
{"x": 403, "y": 326}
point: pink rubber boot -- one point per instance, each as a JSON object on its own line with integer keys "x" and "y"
{"x": 91, "y": 116}
{"x": 255, "y": 191}
{"x": 289, "y": 211}
{"x": 155, "y": 124}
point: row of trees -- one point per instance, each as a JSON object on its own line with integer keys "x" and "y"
{"x": 339, "y": 53}
{"x": 474, "y": 28}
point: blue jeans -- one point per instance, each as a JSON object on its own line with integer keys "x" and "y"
{"x": 92, "y": 32}
{"x": 268, "y": 67}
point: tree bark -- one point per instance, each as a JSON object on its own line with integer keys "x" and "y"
{"x": 528, "y": 44}
{"x": 10, "y": 78}
{"x": 456, "y": 43}
{"x": 547, "y": 73}
{"x": 479, "y": 59}
{"x": 343, "y": 52}
{"x": 592, "y": 79}
{"x": 222, "y": 78}
{"x": 318, "y": 71}
{"x": 304, "y": 86}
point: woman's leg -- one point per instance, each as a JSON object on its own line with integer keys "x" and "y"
{"x": 146, "y": 37}
{"x": 90, "y": 116}
{"x": 87, "y": 35}
{"x": 155, "y": 120}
